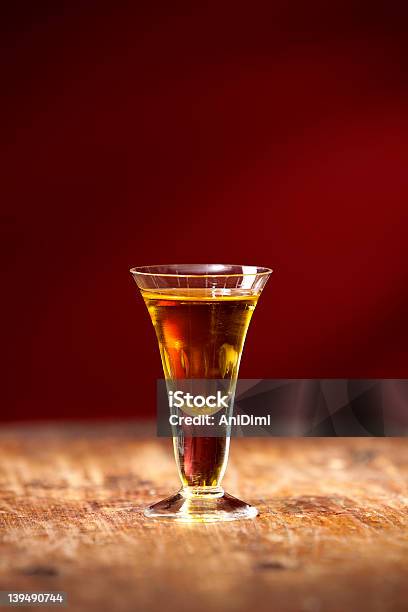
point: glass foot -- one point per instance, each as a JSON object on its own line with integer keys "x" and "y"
{"x": 201, "y": 506}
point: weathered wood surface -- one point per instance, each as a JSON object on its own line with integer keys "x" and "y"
{"x": 332, "y": 534}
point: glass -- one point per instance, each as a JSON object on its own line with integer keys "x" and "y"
{"x": 201, "y": 315}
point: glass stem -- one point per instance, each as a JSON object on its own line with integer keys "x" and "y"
{"x": 201, "y": 462}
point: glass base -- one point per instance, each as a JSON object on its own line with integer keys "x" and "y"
{"x": 201, "y": 505}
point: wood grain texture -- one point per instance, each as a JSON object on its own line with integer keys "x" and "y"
{"x": 332, "y": 534}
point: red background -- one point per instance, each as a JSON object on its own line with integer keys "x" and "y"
{"x": 180, "y": 133}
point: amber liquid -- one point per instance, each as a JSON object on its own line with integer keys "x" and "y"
{"x": 201, "y": 333}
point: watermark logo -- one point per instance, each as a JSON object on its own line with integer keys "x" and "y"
{"x": 283, "y": 407}
{"x": 178, "y": 399}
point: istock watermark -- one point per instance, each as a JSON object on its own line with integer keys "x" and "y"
{"x": 282, "y": 407}
{"x": 178, "y": 399}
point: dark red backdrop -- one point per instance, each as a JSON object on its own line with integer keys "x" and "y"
{"x": 137, "y": 135}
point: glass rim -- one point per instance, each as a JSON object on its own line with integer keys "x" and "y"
{"x": 144, "y": 271}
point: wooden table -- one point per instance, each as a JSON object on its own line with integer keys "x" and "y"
{"x": 332, "y": 534}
